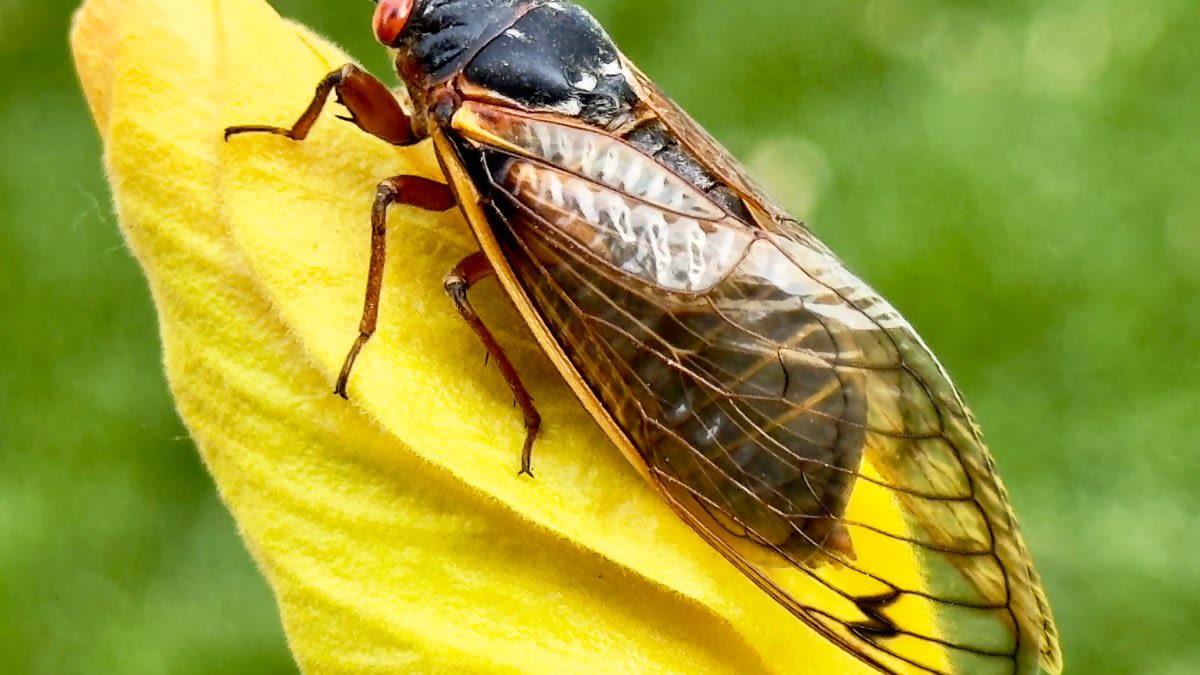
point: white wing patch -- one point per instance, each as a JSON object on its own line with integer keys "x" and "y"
{"x": 676, "y": 252}
{"x": 595, "y": 156}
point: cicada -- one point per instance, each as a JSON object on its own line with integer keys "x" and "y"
{"x": 757, "y": 384}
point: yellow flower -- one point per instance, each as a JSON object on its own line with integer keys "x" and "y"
{"x": 393, "y": 528}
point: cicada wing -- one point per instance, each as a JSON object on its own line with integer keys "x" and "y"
{"x": 904, "y": 463}
{"x": 785, "y": 410}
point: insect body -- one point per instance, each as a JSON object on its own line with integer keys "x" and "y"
{"x": 757, "y": 384}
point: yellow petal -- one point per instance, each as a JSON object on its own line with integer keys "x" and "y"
{"x": 393, "y": 529}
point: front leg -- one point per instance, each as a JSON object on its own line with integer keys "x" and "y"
{"x": 372, "y": 108}
{"x": 468, "y": 271}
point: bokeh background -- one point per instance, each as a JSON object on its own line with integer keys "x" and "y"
{"x": 1020, "y": 177}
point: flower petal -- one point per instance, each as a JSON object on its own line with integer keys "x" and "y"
{"x": 393, "y": 529}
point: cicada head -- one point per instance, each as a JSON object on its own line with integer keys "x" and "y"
{"x": 543, "y": 56}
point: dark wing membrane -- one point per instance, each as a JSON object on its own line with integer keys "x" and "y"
{"x": 783, "y": 409}
{"x": 904, "y": 465}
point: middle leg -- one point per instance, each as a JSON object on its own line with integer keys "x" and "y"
{"x": 413, "y": 191}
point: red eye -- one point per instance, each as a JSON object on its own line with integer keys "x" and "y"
{"x": 390, "y": 18}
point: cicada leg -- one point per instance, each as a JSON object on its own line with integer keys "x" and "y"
{"x": 464, "y": 275}
{"x": 408, "y": 190}
{"x": 372, "y": 108}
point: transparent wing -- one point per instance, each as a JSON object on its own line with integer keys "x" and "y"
{"x": 784, "y": 410}
{"x": 1032, "y": 611}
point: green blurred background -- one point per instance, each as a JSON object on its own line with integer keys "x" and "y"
{"x": 1019, "y": 177}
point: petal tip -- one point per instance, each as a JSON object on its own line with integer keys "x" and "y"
{"x": 93, "y": 36}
